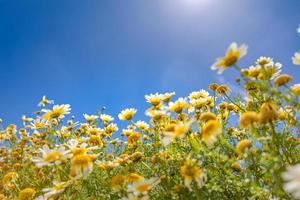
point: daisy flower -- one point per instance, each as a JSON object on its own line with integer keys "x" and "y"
{"x": 154, "y": 99}
{"x": 106, "y": 118}
{"x": 142, "y": 187}
{"x": 178, "y": 106}
{"x": 233, "y": 54}
{"x": 175, "y": 131}
{"x": 127, "y": 114}
{"x": 210, "y": 131}
{"x": 190, "y": 170}
{"x": 57, "y": 112}
{"x": 45, "y": 101}
{"x": 142, "y": 125}
{"x": 90, "y": 118}
{"x": 56, "y": 190}
{"x": 81, "y": 165}
{"x": 51, "y": 156}
{"x": 296, "y": 58}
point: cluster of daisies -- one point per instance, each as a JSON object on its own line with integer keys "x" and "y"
{"x": 208, "y": 145}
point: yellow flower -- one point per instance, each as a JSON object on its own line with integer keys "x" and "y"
{"x": 206, "y": 116}
{"x": 296, "y": 58}
{"x": 26, "y": 194}
{"x": 268, "y": 112}
{"x": 51, "y": 156}
{"x": 296, "y": 89}
{"x": 95, "y": 140}
{"x": 134, "y": 177}
{"x": 178, "y": 105}
{"x": 45, "y": 101}
{"x": 107, "y": 165}
{"x": 117, "y": 180}
{"x": 210, "y": 131}
{"x": 222, "y": 89}
{"x": 213, "y": 86}
{"x": 81, "y": 165}
{"x": 190, "y": 171}
{"x": 233, "y": 54}
{"x": 55, "y": 191}
{"x": 199, "y": 94}
{"x": 142, "y": 125}
{"x": 243, "y": 145}
{"x": 143, "y": 186}
{"x": 127, "y": 114}
{"x": 264, "y": 61}
{"x": 156, "y": 114}
{"x": 167, "y": 96}
{"x": 133, "y": 139}
{"x": 154, "y": 99}
{"x": 236, "y": 166}
{"x": 9, "y": 179}
{"x": 57, "y": 112}
{"x": 249, "y": 119}
{"x": 90, "y": 118}
{"x": 175, "y": 131}
{"x": 106, "y": 118}
{"x": 282, "y": 79}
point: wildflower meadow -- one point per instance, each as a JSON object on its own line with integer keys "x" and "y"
{"x": 210, "y": 144}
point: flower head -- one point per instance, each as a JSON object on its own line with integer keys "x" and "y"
{"x": 233, "y": 54}
{"x": 57, "y": 112}
{"x": 210, "y": 131}
{"x": 190, "y": 170}
{"x": 51, "y": 156}
{"x": 296, "y": 58}
{"x": 127, "y": 114}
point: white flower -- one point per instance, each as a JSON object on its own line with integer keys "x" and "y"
{"x": 90, "y": 118}
{"x": 298, "y": 29}
{"x": 154, "y": 99}
{"x": 264, "y": 61}
{"x": 296, "y": 58}
{"x": 127, "y": 114}
{"x": 142, "y": 125}
{"x": 57, "y": 112}
{"x": 106, "y": 118}
{"x": 199, "y": 94}
{"x": 45, "y": 101}
{"x": 142, "y": 187}
{"x": 51, "y": 156}
{"x": 58, "y": 188}
{"x": 233, "y": 54}
{"x": 292, "y": 178}
{"x": 177, "y": 131}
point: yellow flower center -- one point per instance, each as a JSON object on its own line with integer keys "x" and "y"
{"x": 53, "y": 156}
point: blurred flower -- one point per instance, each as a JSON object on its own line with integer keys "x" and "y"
{"x": 90, "y": 118}
{"x": 233, "y": 54}
{"x": 190, "y": 171}
{"x": 51, "y": 156}
{"x": 45, "y": 101}
{"x": 292, "y": 179}
{"x": 296, "y": 58}
{"x": 210, "y": 131}
{"x": 26, "y": 194}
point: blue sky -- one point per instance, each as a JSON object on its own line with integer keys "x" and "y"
{"x": 112, "y": 52}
